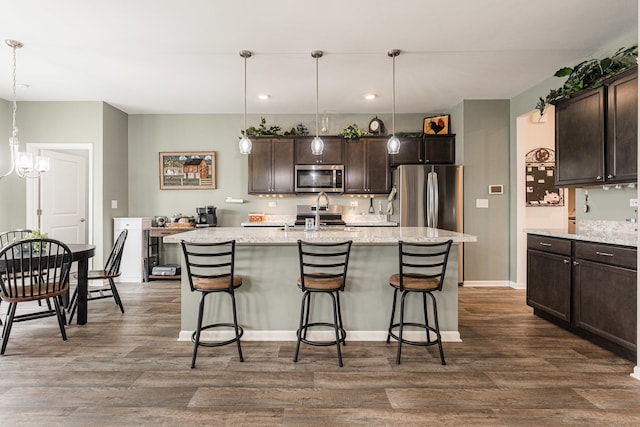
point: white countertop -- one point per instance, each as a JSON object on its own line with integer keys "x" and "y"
{"x": 598, "y": 236}
{"x": 359, "y": 235}
{"x": 348, "y": 224}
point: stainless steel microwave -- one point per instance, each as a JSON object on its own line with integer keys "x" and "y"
{"x": 316, "y": 178}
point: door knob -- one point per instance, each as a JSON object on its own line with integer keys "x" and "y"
{"x": 83, "y": 220}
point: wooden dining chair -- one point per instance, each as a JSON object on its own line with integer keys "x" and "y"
{"x": 111, "y": 271}
{"x": 33, "y": 270}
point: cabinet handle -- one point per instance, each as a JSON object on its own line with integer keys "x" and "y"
{"x": 609, "y": 176}
{"x": 603, "y": 254}
{"x": 599, "y": 177}
{"x": 566, "y": 261}
{"x": 576, "y": 263}
{"x": 545, "y": 244}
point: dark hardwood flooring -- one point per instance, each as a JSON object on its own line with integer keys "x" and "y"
{"x": 512, "y": 368}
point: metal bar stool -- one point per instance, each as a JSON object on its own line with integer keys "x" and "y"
{"x": 422, "y": 268}
{"x": 323, "y": 269}
{"x": 210, "y": 269}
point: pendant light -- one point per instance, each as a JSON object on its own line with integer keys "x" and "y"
{"x": 245, "y": 142}
{"x": 317, "y": 145}
{"x": 21, "y": 161}
{"x": 393, "y": 144}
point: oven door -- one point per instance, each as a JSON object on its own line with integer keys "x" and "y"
{"x": 316, "y": 178}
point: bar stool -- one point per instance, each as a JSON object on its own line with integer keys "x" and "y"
{"x": 422, "y": 269}
{"x": 210, "y": 269}
{"x": 323, "y": 269}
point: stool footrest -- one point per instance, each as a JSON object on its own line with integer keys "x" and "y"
{"x": 218, "y": 343}
{"x": 417, "y": 325}
{"x": 304, "y": 328}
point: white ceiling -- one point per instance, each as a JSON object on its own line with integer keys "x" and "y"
{"x": 168, "y": 56}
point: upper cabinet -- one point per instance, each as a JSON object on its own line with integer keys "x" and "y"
{"x": 367, "y": 166}
{"x": 596, "y": 134}
{"x": 332, "y": 154}
{"x": 271, "y": 165}
{"x": 425, "y": 149}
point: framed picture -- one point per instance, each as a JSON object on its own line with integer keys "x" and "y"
{"x": 436, "y": 125}
{"x": 188, "y": 170}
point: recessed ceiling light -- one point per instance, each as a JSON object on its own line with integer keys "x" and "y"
{"x": 263, "y": 96}
{"x": 370, "y": 96}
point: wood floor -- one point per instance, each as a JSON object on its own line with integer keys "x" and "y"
{"x": 511, "y": 369}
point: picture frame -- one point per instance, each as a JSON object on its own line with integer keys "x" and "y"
{"x": 187, "y": 170}
{"x": 436, "y": 125}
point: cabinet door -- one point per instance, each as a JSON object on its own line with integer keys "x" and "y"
{"x": 440, "y": 149}
{"x": 354, "y": 166}
{"x": 260, "y": 166}
{"x": 411, "y": 152}
{"x": 605, "y": 302}
{"x": 580, "y": 139}
{"x": 377, "y": 164}
{"x": 622, "y": 128}
{"x": 549, "y": 283}
{"x": 282, "y": 155}
{"x": 332, "y": 153}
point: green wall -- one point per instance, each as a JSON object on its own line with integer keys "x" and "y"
{"x": 151, "y": 134}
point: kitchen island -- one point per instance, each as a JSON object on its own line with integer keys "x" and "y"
{"x": 269, "y": 300}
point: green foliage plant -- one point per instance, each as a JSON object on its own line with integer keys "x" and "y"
{"x": 589, "y": 75}
{"x": 352, "y": 132}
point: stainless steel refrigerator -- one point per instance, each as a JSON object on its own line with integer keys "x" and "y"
{"x": 430, "y": 196}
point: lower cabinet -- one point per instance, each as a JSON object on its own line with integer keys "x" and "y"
{"x": 588, "y": 288}
{"x": 604, "y": 293}
{"x": 549, "y": 276}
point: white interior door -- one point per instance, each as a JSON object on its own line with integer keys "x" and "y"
{"x": 63, "y": 197}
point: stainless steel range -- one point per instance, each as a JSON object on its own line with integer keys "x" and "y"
{"x": 329, "y": 215}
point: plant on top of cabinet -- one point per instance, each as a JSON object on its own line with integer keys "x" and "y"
{"x": 353, "y": 132}
{"x": 589, "y": 75}
{"x": 262, "y": 129}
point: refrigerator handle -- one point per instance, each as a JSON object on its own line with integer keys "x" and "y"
{"x": 436, "y": 200}
{"x": 430, "y": 199}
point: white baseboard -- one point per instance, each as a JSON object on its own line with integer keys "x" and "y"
{"x": 488, "y": 283}
{"x": 636, "y": 373}
{"x": 447, "y": 336}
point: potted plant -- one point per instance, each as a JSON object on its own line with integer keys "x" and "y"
{"x": 262, "y": 129}
{"x": 589, "y": 75}
{"x": 352, "y": 132}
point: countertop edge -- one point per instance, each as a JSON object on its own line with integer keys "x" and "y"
{"x": 620, "y": 239}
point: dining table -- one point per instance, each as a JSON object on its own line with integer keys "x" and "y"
{"x": 80, "y": 253}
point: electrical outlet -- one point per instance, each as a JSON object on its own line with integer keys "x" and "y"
{"x": 353, "y": 203}
{"x": 633, "y": 203}
{"x": 272, "y": 204}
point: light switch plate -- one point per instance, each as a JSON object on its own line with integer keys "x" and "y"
{"x": 272, "y": 204}
{"x": 482, "y": 203}
{"x": 633, "y": 203}
{"x": 114, "y": 204}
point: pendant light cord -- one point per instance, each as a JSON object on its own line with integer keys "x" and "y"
{"x": 393, "y": 97}
{"x": 245, "y": 97}
{"x": 317, "y": 95}
{"x": 15, "y": 103}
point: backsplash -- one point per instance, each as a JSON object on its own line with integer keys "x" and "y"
{"x": 591, "y": 226}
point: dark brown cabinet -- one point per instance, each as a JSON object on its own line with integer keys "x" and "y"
{"x": 549, "y": 276}
{"x": 367, "y": 166}
{"x": 271, "y": 166}
{"x": 596, "y": 134}
{"x": 425, "y": 149}
{"x": 588, "y": 288}
{"x": 604, "y": 293}
{"x": 622, "y": 128}
{"x": 331, "y": 155}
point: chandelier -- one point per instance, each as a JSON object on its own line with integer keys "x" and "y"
{"x": 22, "y": 162}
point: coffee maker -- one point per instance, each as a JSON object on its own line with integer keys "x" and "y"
{"x": 206, "y": 217}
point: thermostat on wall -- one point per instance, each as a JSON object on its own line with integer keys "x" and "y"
{"x": 496, "y": 189}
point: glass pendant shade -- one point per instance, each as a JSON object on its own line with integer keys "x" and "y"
{"x": 42, "y": 164}
{"x": 245, "y": 145}
{"x": 393, "y": 145}
{"x": 24, "y": 161}
{"x": 317, "y": 146}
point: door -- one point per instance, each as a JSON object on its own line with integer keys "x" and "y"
{"x": 64, "y": 197}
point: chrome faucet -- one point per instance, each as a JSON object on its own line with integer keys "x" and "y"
{"x": 317, "y": 220}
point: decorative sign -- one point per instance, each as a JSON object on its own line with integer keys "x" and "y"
{"x": 540, "y": 178}
{"x": 188, "y": 170}
{"x": 436, "y": 125}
